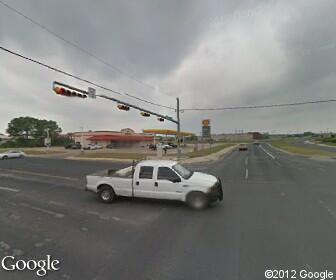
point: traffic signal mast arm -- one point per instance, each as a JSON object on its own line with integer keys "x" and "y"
{"x": 65, "y": 90}
{"x": 61, "y": 88}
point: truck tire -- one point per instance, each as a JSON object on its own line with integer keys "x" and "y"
{"x": 106, "y": 194}
{"x": 197, "y": 200}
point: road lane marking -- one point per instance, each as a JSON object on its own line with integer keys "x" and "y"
{"x": 9, "y": 189}
{"x": 246, "y": 174}
{"x": 266, "y": 152}
{"x": 56, "y": 203}
{"x": 45, "y": 211}
{"x": 325, "y": 206}
{"x": 39, "y": 174}
{"x": 277, "y": 163}
{"x": 246, "y": 161}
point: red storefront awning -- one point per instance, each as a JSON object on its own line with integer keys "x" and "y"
{"x": 121, "y": 138}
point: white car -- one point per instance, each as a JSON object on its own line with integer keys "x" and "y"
{"x": 160, "y": 179}
{"x": 164, "y": 146}
{"x": 12, "y": 154}
{"x": 93, "y": 147}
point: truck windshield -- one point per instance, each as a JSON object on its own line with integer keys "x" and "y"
{"x": 182, "y": 171}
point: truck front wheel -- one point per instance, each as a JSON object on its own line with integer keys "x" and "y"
{"x": 197, "y": 200}
{"x": 106, "y": 194}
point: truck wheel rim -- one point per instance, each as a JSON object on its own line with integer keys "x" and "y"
{"x": 105, "y": 195}
{"x": 198, "y": 202}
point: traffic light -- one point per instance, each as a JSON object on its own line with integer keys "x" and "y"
{"x": 123, "y": 107}
{"x": 145, "y": 114}
{"x": 161, "y": 119}
{"x": 69, "y": 93}
{"x": 59, "y": 90}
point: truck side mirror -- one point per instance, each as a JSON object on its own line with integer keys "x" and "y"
{"x": 176, "y": 180}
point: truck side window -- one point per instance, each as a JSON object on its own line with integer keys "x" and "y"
{"x": 165, "y": 173}
{"x": 146, "y": 172}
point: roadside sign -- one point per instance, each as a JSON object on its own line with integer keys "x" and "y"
{"x": 91, "y": 92}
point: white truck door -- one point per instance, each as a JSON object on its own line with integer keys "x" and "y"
{"x": 168, "y": 184}
{"x": 144, "y": 182}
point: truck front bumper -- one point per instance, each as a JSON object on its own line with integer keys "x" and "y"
{"x": 216, "y": 192}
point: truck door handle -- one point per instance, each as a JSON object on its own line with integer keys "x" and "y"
{"x": 156, "y": 184}
{"x": 137, "y": 183}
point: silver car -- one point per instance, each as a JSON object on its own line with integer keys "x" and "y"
{"x": 12, "y": 154}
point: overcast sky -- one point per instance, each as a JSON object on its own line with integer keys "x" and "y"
{"x": 208, "y": 53}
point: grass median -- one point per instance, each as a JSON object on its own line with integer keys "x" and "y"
{"x": 30, "y": 151}
{"x": 305, "y": 151}
{"x": 136, "y": 156}
{"x": 208, "y": 151}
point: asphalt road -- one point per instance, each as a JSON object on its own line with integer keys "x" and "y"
{"x": 279, "y": 212}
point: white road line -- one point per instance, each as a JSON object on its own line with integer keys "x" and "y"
{"x": 52, "y": 213}
{"x": 325, "y": 206}
{"x": 246, "y": 174}
{"x": 246, "y": 161}
{"x": 268, "y": 153}
{"x": 9, "y": 189}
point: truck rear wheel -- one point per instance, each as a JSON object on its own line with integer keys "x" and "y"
{"x": 197, "y": 200}
{"x": 106, "y": 194}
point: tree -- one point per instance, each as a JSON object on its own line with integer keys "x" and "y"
{"x": 28, "y": 128}
{"x": 22, "y": 127}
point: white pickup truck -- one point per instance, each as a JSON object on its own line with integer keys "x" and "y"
{"x": 159, "y": 179}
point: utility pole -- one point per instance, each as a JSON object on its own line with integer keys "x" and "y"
{"x": 48, "y": 141}
{"x": 178, "y": 127}
{"x": 82, "y": 140}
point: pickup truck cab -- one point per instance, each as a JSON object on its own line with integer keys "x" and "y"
{"x": 158, "y": 179}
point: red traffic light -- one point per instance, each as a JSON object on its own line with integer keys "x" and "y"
{"x": 59, "y": 90}
{"x": 123, "y": 107}
{"x": 161, "y": 119}
{"x": 145, "y": 114}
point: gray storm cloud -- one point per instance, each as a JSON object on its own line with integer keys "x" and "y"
{"x": 209, "y": 53}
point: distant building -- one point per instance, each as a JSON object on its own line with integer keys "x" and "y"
{"x": 237, "y": 136}
{"x": 4, "y": 138}
{"x": 124, "y": 138}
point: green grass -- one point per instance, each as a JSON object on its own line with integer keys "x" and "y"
{"x": 305, "y": 151}
{"x": 113, "y": 156}
{"x": 208, "y": 151}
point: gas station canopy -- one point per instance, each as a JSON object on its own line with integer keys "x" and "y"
{"x": 167, "y": 132}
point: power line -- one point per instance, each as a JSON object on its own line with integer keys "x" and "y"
{"x": 81, "y": 79}
{"x": 260, "y": 106}
{"x": 76, "y": 46}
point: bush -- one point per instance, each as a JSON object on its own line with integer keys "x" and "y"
{"x": 22, "y": 143}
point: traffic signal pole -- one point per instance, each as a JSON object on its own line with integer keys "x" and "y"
{"x": 178, "y": 128}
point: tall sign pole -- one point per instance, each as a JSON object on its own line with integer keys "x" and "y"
{"x": 178, "y": 128}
